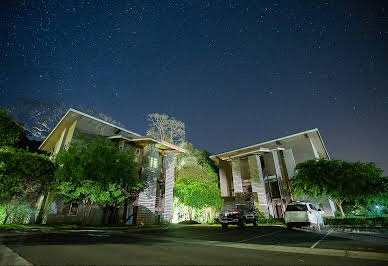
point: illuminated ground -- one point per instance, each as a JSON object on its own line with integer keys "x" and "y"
{"x": 194, "y": 245}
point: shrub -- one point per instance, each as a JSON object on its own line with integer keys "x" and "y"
{"x": 274, "y": 221}
{"x": 189, "y": 222}
{"x": 357, "y": 221}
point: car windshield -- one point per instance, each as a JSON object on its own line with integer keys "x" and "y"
{"x": 241, "y": 207}
{"x": 300, "y": 207}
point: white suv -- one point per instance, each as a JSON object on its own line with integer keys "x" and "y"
{"x": 300, "y": 214}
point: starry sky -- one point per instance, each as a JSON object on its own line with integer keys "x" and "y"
{"x": 236, "y": 72}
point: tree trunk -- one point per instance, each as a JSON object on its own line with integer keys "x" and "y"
{"x": 39, "y": 218}
{"x": 6, "y": 217}
{"x": 125, "y": 211}
{"x": 190, "y": 214}
{"x": 341, "y": 210}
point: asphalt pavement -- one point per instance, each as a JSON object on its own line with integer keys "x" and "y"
{"x": 194, "y": 245}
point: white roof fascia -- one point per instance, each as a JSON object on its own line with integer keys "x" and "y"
{"x": 267, "y": 142}
{"x": 63, "y": 117}
{"x": 320, "y": 137}
{"x": 151, "y": 139}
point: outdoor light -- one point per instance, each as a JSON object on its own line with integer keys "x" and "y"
{"x": 377, "y": 207}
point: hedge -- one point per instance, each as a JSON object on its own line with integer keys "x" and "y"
{"x": 357, "y": 221}
{"x": 270, "y": 221}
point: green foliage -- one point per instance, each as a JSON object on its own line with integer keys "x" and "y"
{"x": 92, "y": 191}
{"x": 11, "y": 133}
{"x": 95, "y": 171}
{"x": 97, "y": 160}
{"x": 339, "y": 180}
{"x": 271, "y": 221}
{"x": 357, "y": 221}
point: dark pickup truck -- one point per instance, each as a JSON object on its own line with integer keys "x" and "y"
{"x": 237, "y": 214}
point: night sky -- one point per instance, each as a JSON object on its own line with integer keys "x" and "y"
{"x": 236, "y": 72}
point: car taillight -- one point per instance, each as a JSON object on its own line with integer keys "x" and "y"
{"x": 236, "y": 212}
{"x": 310, "y": 212}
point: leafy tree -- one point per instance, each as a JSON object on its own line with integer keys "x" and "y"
{"x": 95, "y": 171}
{"x": 11, "y": 133}
{"x": 166, "y": 128}
{"x": 23, "y": 176}
{"x": 339, "y": 180}
{"x": 196, "y": 184}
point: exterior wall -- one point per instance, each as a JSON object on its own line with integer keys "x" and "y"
{"x": 301, "y": 149}
{"x": 169, "y": 171}
{"x": 149, "y": 176}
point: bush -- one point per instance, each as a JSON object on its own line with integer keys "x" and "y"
{"x": 357, "y": 221}
{"x": 273, "y": 221}
{"x": 189, "y": 222}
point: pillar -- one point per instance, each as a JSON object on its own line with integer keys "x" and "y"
{"x": 169, "y": 170}
{"x": 258, "y": 188}
{"x": 149, "y": 175}
{"x": 224, "y": 184}
{"x": 290, "y": 162}
{"x": 236, "y": 172}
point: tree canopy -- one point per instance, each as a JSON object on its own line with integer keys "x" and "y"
{"x": 11, "y": 133}
{"x": 23, "y": 176}
{"x": 339, "y": 180}
{"x": 166, "y": 128}
{"x": 95, "y": 171}
{"x": 196, "y": 184}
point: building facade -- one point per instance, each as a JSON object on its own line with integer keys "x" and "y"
{"x": 260, "y": 174}
{"x": 156, "y": 168}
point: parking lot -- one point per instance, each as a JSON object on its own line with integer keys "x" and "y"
{"x": 196, "y": 245}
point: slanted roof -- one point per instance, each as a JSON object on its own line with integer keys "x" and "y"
{"x": 161, "y": 144}
{"x": 270, "y": 145}
{"x": 89, "y": 125}
{"x": 95, "y": 126}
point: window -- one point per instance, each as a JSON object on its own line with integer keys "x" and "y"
{"x": 275, "y": 191}
{"x": 312, "y": 207}
{"x": 154, "y": 162}
{"x": 70, "y": 209}
{"x": 296, "y": 208}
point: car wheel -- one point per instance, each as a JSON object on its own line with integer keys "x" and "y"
{"x": 224, "y": 226}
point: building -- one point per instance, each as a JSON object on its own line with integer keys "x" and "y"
{"x": 155, "y": 158}
{"x": 261, "y": 173}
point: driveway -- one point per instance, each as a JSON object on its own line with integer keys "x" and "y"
{"x": 194, "y": 245}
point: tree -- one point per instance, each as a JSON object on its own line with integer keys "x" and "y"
{"x": 339, "y": 180}
{"x": 23, "y": 176}
{"x": 196, "y": 183}
{"x": 40, "y": 117}
{"x": 161, "y": 126}
{"x": 95, "y": 171}
{"x": 11, "y": 133}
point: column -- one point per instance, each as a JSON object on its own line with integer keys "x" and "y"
{"x": 147, "y": 197}
{"x": 258, "y": 188}
{"x": 236, "y": 172}
{"x": 290, "y": 162}
{"x": 169, "y": 170}
{"x": 224, "y": 186}
{"x": 69, "y": 135}
{"x": 314, "y": 149}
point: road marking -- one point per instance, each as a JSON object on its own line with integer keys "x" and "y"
{"x": 8, "y": 257}
{"x": 319, "y": 241}
{"x": 276, "y": 248}
{"x": 245, "y": 240}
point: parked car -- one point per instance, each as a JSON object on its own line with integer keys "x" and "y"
{"x": 238, "y": 214}
{"x": 300, "y": 214}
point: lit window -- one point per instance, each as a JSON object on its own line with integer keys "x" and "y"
{"x": 154, "y": 162}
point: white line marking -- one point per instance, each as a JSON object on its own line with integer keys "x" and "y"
{"x": 272, "y": 233}
{"x": 319, "y": 241}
